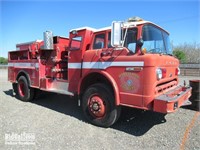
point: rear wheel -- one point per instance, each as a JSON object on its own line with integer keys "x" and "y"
{"x": 99, "y": 106}
{"x": 24, "y": 91}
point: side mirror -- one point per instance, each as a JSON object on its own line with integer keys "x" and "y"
{"x": 116, "y": 34}
{"x": 140, "y": 42}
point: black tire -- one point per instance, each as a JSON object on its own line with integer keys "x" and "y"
{"x": 90, "y": 108}
{"x": 24, "y": 91}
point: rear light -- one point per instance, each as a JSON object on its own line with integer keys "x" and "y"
{"x": 177, "y": 71}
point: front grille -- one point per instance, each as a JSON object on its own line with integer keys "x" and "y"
{"x": 165, "y": 86}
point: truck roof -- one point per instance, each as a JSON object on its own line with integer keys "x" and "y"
{"x": 126, "y": 24}
{"x": 83, "y": 28}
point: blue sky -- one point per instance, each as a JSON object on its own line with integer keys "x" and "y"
{"x": 23, "y": 21}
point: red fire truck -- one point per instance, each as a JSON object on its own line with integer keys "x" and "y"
{"x": 128, "y": 64}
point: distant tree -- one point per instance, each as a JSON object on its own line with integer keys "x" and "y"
{"x": 3, "y": 60}
{"x": 180, "y": 55}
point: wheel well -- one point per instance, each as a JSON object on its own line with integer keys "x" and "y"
{"x": 92, "y": 79}
{"x": 22, "y": 73}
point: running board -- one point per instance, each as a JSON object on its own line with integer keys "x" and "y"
{"x": 61, "y": 92}
{"x": 60, "y": 87}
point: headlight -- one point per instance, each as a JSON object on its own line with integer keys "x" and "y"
{"x": 159, "y": 73}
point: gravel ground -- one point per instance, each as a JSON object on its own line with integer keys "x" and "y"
{"x": 56, "y": 122}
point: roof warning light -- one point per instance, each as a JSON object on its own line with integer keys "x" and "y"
{"x": 135, "y": 19}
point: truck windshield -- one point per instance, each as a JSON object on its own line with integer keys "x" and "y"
{"x": 155, "y": 40}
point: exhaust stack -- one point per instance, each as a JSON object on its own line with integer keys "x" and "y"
{"x": 48, "y": 40}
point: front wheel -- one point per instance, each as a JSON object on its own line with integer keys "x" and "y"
{"x": 24, "y": 91}
{"x": 99, "y": 105}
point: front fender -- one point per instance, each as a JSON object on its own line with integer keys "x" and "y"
{"x": 109, "y": 78}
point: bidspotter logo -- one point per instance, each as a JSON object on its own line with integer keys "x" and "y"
{"x": 20, "y": 139}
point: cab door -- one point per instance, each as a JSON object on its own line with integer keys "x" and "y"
{"x": 75, "y": 52}
{"x": 126, "y": 68}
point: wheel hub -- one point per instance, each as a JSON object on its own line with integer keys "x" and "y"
{"x": 97, "y": 107}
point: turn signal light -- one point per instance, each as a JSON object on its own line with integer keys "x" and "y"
{"x": 177, "y": 71}
{"x": 144, "y": 51}
{"x": 164, "y": 72}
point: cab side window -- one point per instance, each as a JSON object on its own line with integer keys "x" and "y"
{"x": 99, "y": 41}
{"x": 76, "y": 43}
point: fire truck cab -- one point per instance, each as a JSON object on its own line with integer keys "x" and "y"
{"x": 128, "y": 64}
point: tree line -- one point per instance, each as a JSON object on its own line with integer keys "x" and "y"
{"x": 187, "y": 52}
{"x": 3, "y": 61}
